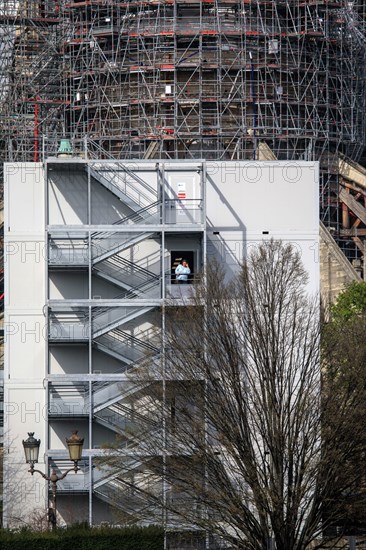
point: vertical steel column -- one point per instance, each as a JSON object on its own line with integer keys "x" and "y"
{"x": 90, "y": 348}
{"x": 46, "y": 319}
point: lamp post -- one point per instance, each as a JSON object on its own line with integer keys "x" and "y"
{"x": 31, "y": 451}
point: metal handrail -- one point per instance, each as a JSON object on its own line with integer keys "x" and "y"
{"x": 107, "y": 235}
{"x": 127, "y": 263}
{"x": 136, "y": 215}
{"x": 109, "y": 168}
{"x": 127, "y": 294}
{"x": 129, "y": 337}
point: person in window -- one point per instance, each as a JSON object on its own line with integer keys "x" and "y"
{"x": 182, "y": 272}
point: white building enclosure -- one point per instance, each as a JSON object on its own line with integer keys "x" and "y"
{"x": 90, "y": 253}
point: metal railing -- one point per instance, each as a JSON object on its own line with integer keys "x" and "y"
{"x": 68, "y": 327}
{"x": 184, "y": 211}
{"x": 128, "y": 347}
{"x": 128, "y": 273}
{"x": 105, "y": 319}
{"x": 68, "y": 252}
{"x": 106, "y": 244}
{"x": 119, "y": 177}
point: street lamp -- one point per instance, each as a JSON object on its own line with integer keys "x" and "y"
{"x": 31, "y": 451}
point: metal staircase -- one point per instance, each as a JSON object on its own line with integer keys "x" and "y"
{"x": 108, "y": 243}
{"x": 74, "y": 326}
{"x": 111, "y": 401}
{"x": 124, "y": 347}
{"x": 129, "y": 276}
{"x": 134, "y": 505}
{"x": 116, "y": 489}
{"x": 132, "y": 190}
{"x": 109, "y": 408}
{"x": 68, "y": 326}
{"x": 107, "y": 319}
{"x": 116, "y": 418}
{"x": 63, "y": 251}
{"x": 125, "y": 421}
{"x": 109, "y": 394}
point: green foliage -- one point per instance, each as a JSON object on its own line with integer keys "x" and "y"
{"x": 351, "y": 302}
{"x": 79, "y": 536}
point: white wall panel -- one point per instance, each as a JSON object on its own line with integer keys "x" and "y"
{"x": 25, "y": 335}
{"x": 68, "y": 285}
{"x": 24, "y": 192}
{"x": 68, "y": 359}
{"x": 68, "y": 198}
{"x": 24, "y": 329}
{"x": 106, "y": 208}
{"x": 263, "y": 196}
{"x": 24, "y": 263}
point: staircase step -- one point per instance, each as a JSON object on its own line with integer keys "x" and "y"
{"x": 119, "y": 320}
{"x": 121, "y": 246}
{"x": 112, "y": 393}
{"x": 126, "y": 188}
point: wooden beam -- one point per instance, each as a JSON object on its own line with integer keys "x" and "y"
{"x": 356, "y": 207}
{"x": 353, "y": 232}
{"x": 359, "y": 244}
{"x": 356, "y": 224}
{"x": 352, "y": 171}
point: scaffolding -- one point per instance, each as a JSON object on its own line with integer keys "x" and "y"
{"x": 186, "y": 79}
{"x": 31, "y": 71}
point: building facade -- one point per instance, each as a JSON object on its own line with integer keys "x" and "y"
{"x": 228, "y": 80}
{"x": 91, "y": 249}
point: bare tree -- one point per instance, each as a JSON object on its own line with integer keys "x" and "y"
{"x": 252, "y": 442}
